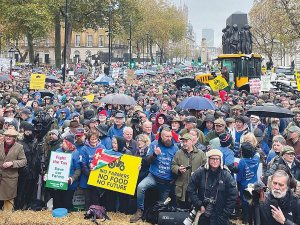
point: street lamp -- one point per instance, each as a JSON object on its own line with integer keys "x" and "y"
{"x": 130, "y": 56}
{"x": 65, "y": 45}
{"x": 1, "y": 35}
{"x": 147, "y": 49}
{"x": 109, "y": 35}
{"x": 11, "y": 55}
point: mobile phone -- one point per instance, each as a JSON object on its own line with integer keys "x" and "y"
{"x": 188, "y": 167}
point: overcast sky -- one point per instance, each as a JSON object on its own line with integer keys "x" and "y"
{"x": 212, "y": 14}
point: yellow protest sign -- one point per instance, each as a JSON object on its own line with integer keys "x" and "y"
{"x": 37, "y": 81}
{"x": 89, "y": 97}
{"x": 120, "y": 175}
{"x": 272, "y": 70}
{"x": 264, "y": 69}
{"x": 218, "y": 83}
{"x": 298, "y": 80}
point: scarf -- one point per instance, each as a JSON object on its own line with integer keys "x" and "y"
{"x": 142, "y": 151}
{"x": 8, "y": 147}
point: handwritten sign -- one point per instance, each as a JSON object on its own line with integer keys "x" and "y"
{"x": 59, "y": 170}
{"x": 218, "y": 83}
{"x": 120, "y": 175}
{"x": 115, "y": 73}
{"x": 130, "y": 76}
{"x": 265, "y": 84}
{"x": 254, "y": 85}
{"x": 37, "y": 81}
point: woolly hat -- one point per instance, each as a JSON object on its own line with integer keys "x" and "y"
{"x": 225, "y": 139}
{"x": 70, "y": 138}
{"x": 56, "y": 132}
{"x": 248, "y": 150}
{"x": 240, "y": 118}
{"x": 212, "y": 153}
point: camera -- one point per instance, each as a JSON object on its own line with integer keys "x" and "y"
{"x": 42, "y": 123}
{"x": 209, "y": 207}
{"x": 190, "y": 219}
{"x": 136, "y": 119}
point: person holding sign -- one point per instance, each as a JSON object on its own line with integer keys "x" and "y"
{"x": 61, "y": 198}
{"x": 87, "y": 154}
{"x": 118, "y": 145}
{"x": 12, "y": 157}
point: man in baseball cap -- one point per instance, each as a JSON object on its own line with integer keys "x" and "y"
{"x": 79, "y": 138}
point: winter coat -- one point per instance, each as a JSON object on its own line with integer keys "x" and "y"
{"x": 106, "y": 141}
{"x": 156, "y": 126}
{"x": 197, "y": 159}
{"x": 51, "y": 146}
{"x": 9, "y": 176}
{"x": 33, "y": 166}
{"x": 114, "y": 131}
{"x": 295, "y": 170}
{"x": 290, "y": 208}
{"x": 220, "y": 186}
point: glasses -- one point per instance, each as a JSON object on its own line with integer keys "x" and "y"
{"x": 140, "y": 140}
{"x": 214, "y": 159}
{"x": 219, "y": 125}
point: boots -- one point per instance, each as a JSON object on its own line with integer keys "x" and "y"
{"x": 138, "y": 215}
{"x": 245, "y": 214}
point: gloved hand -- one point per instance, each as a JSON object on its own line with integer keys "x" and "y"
{"x": 236, "y": 164}
{"x": 45, "y": 177}
{"x": 70, "y": 181}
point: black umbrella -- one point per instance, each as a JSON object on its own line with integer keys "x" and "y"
{"x": 245, "y": 87}
{"x": 46, "y": 93}
{"x": 270, "y": 111}
{"x": 52, "y": 79}
{"x": 118, "y": 99}
{"x": 187, "y": 81}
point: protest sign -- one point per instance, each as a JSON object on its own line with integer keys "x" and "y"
{"x": 130, "y": 76}
{"x": 264, "y": 69}
{"x": 78, "y": 200}
{"x": 89, "y": 97}
{"x": 125, "y": 74}
{"x": 265, "y": 84}
{"x": 298, "y": 80}
{"x": 120, "y": 175}
{"x": 218, "y": 83}
{"x": 59, "y": 170}
{"x": 5, "y": 64}
{"x": 254, "y": 85}
{"x": 37, "y": 81}
{"x": 115, "y": 73}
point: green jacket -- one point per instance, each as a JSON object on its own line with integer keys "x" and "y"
{"x": 212, "y": 135}
{"x": 201, "y": 135}
{"x": 196, "y": 160}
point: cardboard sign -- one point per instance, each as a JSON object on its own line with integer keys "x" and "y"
{"x": 265, "y": 84}
{"x": 254, "y": 85}
{"x": 298, "y": 80}
{"x": 218, "y": 83}
{"x": 59, "y": 170}
{"x": 120, "y": 175}
{"x": 130, "y": 76}
{"x": 37, "y": 81}
{"x": 89, "y": 97}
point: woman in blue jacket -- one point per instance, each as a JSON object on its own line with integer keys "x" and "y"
{"x": 63, "y": 198}
{"x": 91, "y": 194}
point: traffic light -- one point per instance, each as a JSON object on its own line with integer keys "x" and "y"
{"x": 153, "y": 62}
{"x": 199, "y": 62}
{"x": 193, "y": 62}
{"x": 132, "y": 64}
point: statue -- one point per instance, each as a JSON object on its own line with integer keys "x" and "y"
{"x": 224, "y": 40}
{"x": 248, "y": 37}
{"x": 234, "y": 39}
{"x": 227, "y": 40}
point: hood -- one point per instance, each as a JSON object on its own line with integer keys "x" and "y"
{"x": 121, "y": 143}
{"x": 40, "y": 99}
{"x": 156, "y": 119}
{"x": 68, "y": 113}
{"x": 222, "y": 96}
{"x": 87, "y": 143}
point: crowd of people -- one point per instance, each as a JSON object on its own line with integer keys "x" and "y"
{"x": 200, "y": 158}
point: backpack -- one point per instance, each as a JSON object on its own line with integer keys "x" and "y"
{"x": 97, "y": 212}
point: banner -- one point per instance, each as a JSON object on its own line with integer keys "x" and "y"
{"x": 254, "y": 85}
{"x": 130, "y": 76}
{"x": 89, "y": 97}
{"x": 120, "y": 175}
{"x": 59, "y": 170}
{"x": 37, "y": 81}
{"x": 218, "y": 83}
{"x": 265, "y": 84}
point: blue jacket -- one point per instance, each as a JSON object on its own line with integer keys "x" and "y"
{"x": 87, "y": 157}
{"x": 228, "y": 157}
{"x": 113, "y": 131}
{"x": 265, "y": 148}
{"x": 161, "y": 167}
{"x": 106, "y": 141}
{"x": 74, "y": 166}
{"x": 248, "y": 170}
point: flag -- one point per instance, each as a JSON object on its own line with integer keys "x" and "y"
{"x": 104, "y": 157}
{"x": 174, "y": 135}
{"x": 78, "y": 66}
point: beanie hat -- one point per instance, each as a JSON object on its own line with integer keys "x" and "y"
{"x": 14, "y": 124}
{"x": 56, "y": 132}
{"x": 70, "y": 138}
{"x": 212, "y": 153}
{"x": 240, "y": 118}
{"x": 23, "y": 124}
{"x": 225, "y": 139}
{"x": 103, "y": 112}
{"x": 29, "y": 126}
{"x": 248, "y": 150}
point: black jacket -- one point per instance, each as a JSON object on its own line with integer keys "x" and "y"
{"x": 220, "y": 186}
{"x": 33, "y": 156}
{"x": 289, "y": 206}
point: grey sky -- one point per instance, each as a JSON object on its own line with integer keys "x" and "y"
{"x": 213, "y": 14}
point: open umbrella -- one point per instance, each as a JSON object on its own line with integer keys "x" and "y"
{"x": 187, "y": 81}
{"x": 46, "y": 93}
{"x": 7, "y": 75}
{"x": 15, "y": 74}
{"x": 153, "y": 68}
{"x": 118, "y": 99}
{"x": 104, "y": 80}
{"x": 82, "y": 70}
{"x": 270, "y": 111}
{"x": 3, "y": 78}
{"x": 198, "y": 103}
{"x": 140, "y": 72}
{"x": 52, "y": 79}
